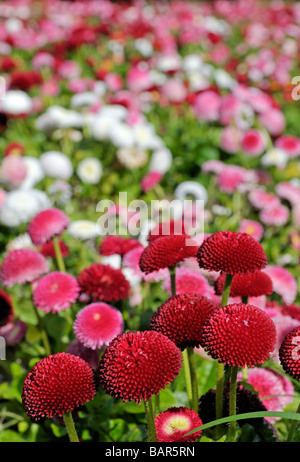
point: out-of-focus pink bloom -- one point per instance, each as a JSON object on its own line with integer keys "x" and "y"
{"x": 290, "y": 144}
{"x": 261, "y": 199}
{"x": 3, "y": 195}
{"x": 43, "y": 59}
{"x": 289, "y": 191}
{"x": 69, "y": 70}
{"x": 213, "y": 166}
{"x": 207, "y": 106}
{"x": 231, "y": 139}
{"x": 253, "y": 143}
{"x": 284, "y": 283}
{"x": 174, "y": 90}
{"x": 270, "y": 389}
{"x": 190, "y": 281}
{"x": 230, "y": 106}
{"x": 284, "y": 324}
{"x": 295, "y": 240}
{"x": 13, "y": 332}
{"x": 150, "y": 180}
{"x": 50, "y": 87}
{"x": 131, "y": 260}
{"x": 252, "y": 227}
{"x": 275, "y": 216}
{"x": 113, "y": 81}
{"x": 138, "y": 80}
{"x": 13, "y": 170}
{"x": 273, "y": 121}
{"x": 230, "y": 178}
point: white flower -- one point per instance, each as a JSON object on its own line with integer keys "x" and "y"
{"x": 192, "y": 62}
{"x": 277, "y": 157}
{"x": 144, "y": 46}
{"x": 86, "y": 98}
{"x": 145, "y": 136}
{"x": 220, "y": 210}
{"x": 191, "y": 188}
{"x": 89, "y": 170}
{"x": 56, "y": 165}
{"x": 59, "y": 117}
{"x": 83, "y": 229}
{"x": 23, "y": 241}
{"x": 16, "y": 102}
{"x": 116, "y": 111}
{"x": 223, "y": 79}
{"x": 34, "y": 174}
{"x": 133, "y": 278}
{"x": 122, "y": 135}
{"x": 132, "y": 157}
{"x": 22, "y": 205}
{"x": 167, "y": 63}
{"x": 198, "y": 81}
{"x": 161, "y": 160}
{"x": 112, "y": 260}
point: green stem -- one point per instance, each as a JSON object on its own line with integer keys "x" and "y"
{"x": 45, "y": 339}
{"x": 68, "y": 420}
{"x": 59, "y": 257}
{"x": 194, "y": 379}
{"x": 152, "y": 438}
{"x": 156, "y": 405}
{"x": 293, "y": 427}
{"x": 172, "y": 271}
{"x": 187, "y": 375}
{"x": 226, "y": 290}
{"x": 232, "y": 403}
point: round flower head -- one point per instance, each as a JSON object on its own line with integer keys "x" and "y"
{"x": 254, "y": 228}
{"x": 173, "y": 424}
{"x": 56, "y": 385}
{"x": 189, "y": 280}
{"x": 231, "y": 252}
{"x": 21, "y": 266}
{"x": 137, "y": 365}
{"x": 167, "y": 228}
{"x": 48, "y": 250}
{"x": 55, "y": 292}
{"x": 102, "y": 282}
{"x": 166, "y": 252}
{"x": 289, "y": 353}
{"x": 246, "y": 285}
{"x": 6, "y": 308}
{"x": 47, "y": 224}
{"x": 239, "y": 335}
{"x": 181, "y": 318}
{"x": 112, "y": 245}
{"x": 275, "y": 216}
{"x": 97, "y": 324}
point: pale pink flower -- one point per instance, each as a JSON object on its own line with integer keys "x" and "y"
{"x": 261, "y": 199}
{"x": 284, "y": 324}
{"x": 274, "y": 121}
{"x": 230, "y": 178}
{"x": 13, "y": 170}
{"x": 131, "y": 260}
{"x": 207, "y": 106}
{"x": 189, "y": 281}
{"x": 213, "y": 166}
{"x": 231, "y": 139}
{"x": 252, "y": 227}
{"x": 284, "y": 283}
{"x": 174, "y": 90}
{"x": 253, "y": 143}
{"x": 289, "y": 192}
{"x": 275, "y": 216}
{"x": 138, "y": 79}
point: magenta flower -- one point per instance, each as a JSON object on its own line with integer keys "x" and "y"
{"x": 55, "y": 292}
{"x": 21, "y": 266}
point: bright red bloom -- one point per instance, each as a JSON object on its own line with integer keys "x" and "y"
{"x": 173, "y": 424}
{"x": 14, "y": 149}
{"x": 232, "y": 253}
{"x": 181, "y": 318}
{"x": 6, "y": 308}
{"x": 102, "y": 282}
{"x": 167, "y": 228}
{"x": 239, "y": 335}
{"x": 137, "y": 365}
{"x": 289, "y": 353}
{"x": 112, "y": 245}
{"x": 246, "y": 285}
{"x": 97, "y": 324}
{"x": 48, "y": 250}
{"x": 166, "y": 252}
{"x": 21, "y": 266}
{"x": 55, "y": 292}
{"x": 56, "y": 385}
{"x": 47, "y": 224}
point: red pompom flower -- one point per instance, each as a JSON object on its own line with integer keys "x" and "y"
{"x": 166, "y": 252}
{"x": 289, "y": 353}
{"x": 239, "y": 335}
{"x": 112, "y": 245}
{"x": 173, "y": 424}
{"x": 232, "y": 253}
{"x": 246, "y": 285}
{"x": 102, "y": 282}
{"x": 181, "y": 318}
{"x": 56, "y": 385}
{"x": 137, "y": 365}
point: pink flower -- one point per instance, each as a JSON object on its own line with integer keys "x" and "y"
{"x": 273, "y": 121}
{"x": 47, "y": 224}
{"x": 50, "y": 87}
{"x": 284, "y": 283}
{"x": 21, "y": 266}
{"x": 69, "y": 70}
{"x": 97, "y": 324}
{"x": 138, "y": 79}
{"x": 252, "y": 227}
{"x": 289, "y": 191}
{"x": 284, "y": 324}
{"x": 261, "y": 199}
{"x": 113, "y": 81}
{"x": 290, "y": 144}
{"x": 207, "y": 106}
{"x": 213, "y": 166}
{"x": 131, "y": 260}
{"x": 174, "y": 90}
{"x": 253, "y": 143}
{"x": 231, "y": 139}
{"x": 55, "y": 292}
{"x": 230, "y": 178}
{"x": 13, "y": 170}
{"x": 230, "y": 107}
{"x": 190, "y": 281}
{"x": 150, "y": 180}
{"x": 270, "y": 389}
{"x": 275, "y": 216}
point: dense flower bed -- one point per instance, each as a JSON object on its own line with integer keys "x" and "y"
{"x": 109, "y": 109}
